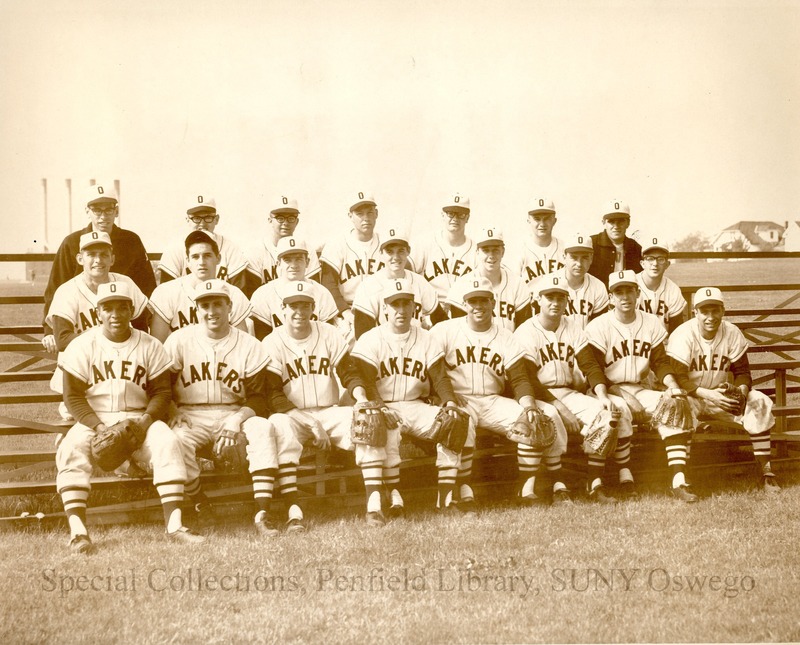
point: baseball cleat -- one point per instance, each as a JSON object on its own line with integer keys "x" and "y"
{"x": 532, "y": 500}
{"x": 266, "y": 528}
{"x": 683, "y": 494}
{"x": 295, "y": 525}
{"x": 375, "y": 518}
{"x": 770, "y": 483}
{"x": 627, "y": 490}
{"x": 467, "y": 507}
{"x": 598, "y": 495}
{"x": 186, "y": 536}
{"x": 81, "y": 545}
{"x": 396, "y": 511}
{"x": 562, "y": 498}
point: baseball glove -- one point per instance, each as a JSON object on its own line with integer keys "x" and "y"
{"x": 448, "y": 431}
{"x": 539, "y": 434}
{"x": 369, "y": 425}
{"x": 733, "y": 392}
{"x": 600, "y": 436}
{"x": 114, "y": 445}
{"x": 231, "y": 458}
{"x": 673, "y": 410}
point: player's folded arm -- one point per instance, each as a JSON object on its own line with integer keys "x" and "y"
{"x": 76, "y": 402}
{"x": 590, "y": 367}
{"x": 63, "y": 332}
{"x": 277, "y": 401}
{"x": 255, "y": 387}
{"x": 440, "y": 381}
{"x": 540, "y": 392}
{"x": 663, "y": 367}
{"x": 517, "y": 375}
{"x": 370, "y": 376}
{"x": 159, "y": 393}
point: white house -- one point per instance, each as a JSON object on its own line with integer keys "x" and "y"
{"x": 754, "y": 236}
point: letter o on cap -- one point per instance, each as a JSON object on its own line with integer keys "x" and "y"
{"x": 112, "y": 288}
{"x": 299, "y": 287}
{"x": 292, "y": 242}
{"x": 208, "y": 286}
{"x": 95, "y": 236}
{"x": 490, "y": 233}
{"x": 708, "y": 292}
{"x": 361, "y": 195}
{"x": 616, "y": 205}
{"x": 457, "y": 199}
{"x": 580, "y": 239}
{"x": 285, "y": 200}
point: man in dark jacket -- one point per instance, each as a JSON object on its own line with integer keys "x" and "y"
{"x": 613, "y": 251}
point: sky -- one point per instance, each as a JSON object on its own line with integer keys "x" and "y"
{"x": 687, "y": 111}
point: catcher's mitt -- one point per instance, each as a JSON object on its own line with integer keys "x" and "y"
{"x": 733, "y": 392}
{"x": 600, "y": 436}
{"x": 673, "y": 410}
{"x": 448, "y": 431}
{"x": 539, "y": 433}
{"x": 114, "y": 445}
{"x": 231, "y": 458}
{"x": 369, "y": 426}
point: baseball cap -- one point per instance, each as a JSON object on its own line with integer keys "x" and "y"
{"x": 707, "y": 295}
{"x": 202, "y": 203}
{"x": 393, "y": 236}
{"x": 541, "y": 205}
{"x": 100, "y": 193}
{"x": 362, "y": 198}
{"x": 490, "y": 237}
{"x": 300, "y": 291}
{"x": 551, "y": 283}
{"x": 94, "y": 237}
{"x": 210, "y": 288}
{"x": 396, "y": 289}
{"x": 615, "y": 209}
{"x": 650, "y": 243}
{"x": 478, "y": 287}
{"x": 285, "y": 205}
{"x": 290, "y": 244}
{"x": 201, "y": 237}
{"x": 113, "y": 291}
{"x": 619, "y": 278}
{"x": 578, "y": 242}
{"x": 456, "y": 202}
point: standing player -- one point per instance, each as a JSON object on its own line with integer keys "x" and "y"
{"x": 173, "y": 304}
{"x": 368, "y": 302}
{"x": 263, "y": 258}
{"x": 714, "y": 352}
{"x": 111, "y": 373}
{"x": 542, "y": 253}
{"x": 219, "y": 388}
{"x": 130, "y": 258}
{"x": 559, "y": 357}
{"x": 512, "y": 301}
{"x": 405, "y": 365}
{"x": 657, "y": 293}
{"x": 629, "y": 344}
{"x": 292, "y": 257}
{"x": 203, "y": 216}
{"x": 305, "y": 358}
{"x": 449, "y": 254}
{"x": 588, "y": 297}
{"x": 482, "y": 356}
{"x": 613, "y": 250}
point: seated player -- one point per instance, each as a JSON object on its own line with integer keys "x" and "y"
{"x": 368, "y": 301}
{"x": 588, "y": 297}
{"x": 714, "y": 352}
{"x": 305, "y": 359}
{"x": 218, "y": 384}
{"x": 111, "y": 373}
{"x": 172, "y": 303}
{"x": 657, "y": 293}
{"x": 482, "y": 357}
{"x": 293, "y": 260}
{"x": 402, "y": 365}
{"x": 629, "y": 344}
{"x": 559, "y": 357}
{"x": 542, "y": 253}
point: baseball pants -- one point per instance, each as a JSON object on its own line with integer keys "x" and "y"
{"x": 757, "y": 417}
{"x": 649, "y": 400}
{"x": 586, "y": 408}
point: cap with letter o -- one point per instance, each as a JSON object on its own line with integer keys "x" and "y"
{"x": 99, "y": 193}
{"x": 621, "y": 278}
{"x": 299, "y": 291}
{"x": 578, "y": 242}
{"x": 616, "y": 209}
{"x": 202, "y": 203}
{"x": 490, "y": 237}
{"x": 113, "y": 291}
{"x": 397, "y": 288}
{"x": 650, "y": 243}
{"x": 201, "y": 237}
{"x": 541, "y": 205}
{"x": 290, "y": 244}
{"x": 478, "y": 287}
{"x": 94, "y": 238}
{"x": 209, "y": 288}
{"x": 707, "y": 295}
{"x": 362, "y": 198}
{"x": 456, "y": 203}
{"x": 395, "y": 235}
{"x": 551, "y": 283}
{"x": 284, "y": 204}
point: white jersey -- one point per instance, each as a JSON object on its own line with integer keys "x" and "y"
{"x": 212, "y": 371}
{"x": 584, "y": 301}
{"x": 232, "y": 259}
{"x": 172, "y": 301}
{"x": 554, "y": 352}
{"x": 117, "y": 373}
{"x": 666, "y": 302}
{"x": 267, "y": 303}
{"x": 441, "y": 264}
{"x": 510, "y": 295}
{"x": 369, "y": 295}
{"x": 477, "y": 360}
{"x": 627, "y": 346}
{"x": 536, "y": 261}
{"x": 352, "y": 260}
{"x": 401, "y": 360}
{"x": 708, "y": 361}
{"x": 263, "y": 262}
{"x": 307, "y": 367}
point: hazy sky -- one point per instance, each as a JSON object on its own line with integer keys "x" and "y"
{"x": 686, "y": 110}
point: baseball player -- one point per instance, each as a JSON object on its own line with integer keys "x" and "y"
{"x": 113, "y": 372}
{"x": 402, "y": 365}
{"x": 368, "y": 304}
{"x": 263, "y": 258}
{"x": 512, "y": 300}
{"x": 172, "y": 302}
{"x": 202, "y": 215}
{"x": 347, "y": 259}
{"x": 450, "y": 253}
{"x": 629, "y": 344}
{"x": 560, "y": 358}
{"x": 714, "y": 352}
{"x": 292, "y": 259}
{"x": 305, "y": 358}
{"x": 657, "y": 293}
{"x": 218, "y": 384}
{"x": 482, "y": 356}
{"x": 588, "y": 297}
{"x": 542, "y": 252}
{"x": 613, "y": 250}
{"x": 130, "y": 258}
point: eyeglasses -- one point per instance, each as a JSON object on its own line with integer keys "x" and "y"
{"x": 459, "y": 216}
{"x": 196, "y": 219}
{"x": 108, "y": 211}
{"x": 291, "y": 219}
{"x": 652, "y": 259}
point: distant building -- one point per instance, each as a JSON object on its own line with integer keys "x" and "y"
{"x": 750, "y": 236}
{"x": 791, "y": 237}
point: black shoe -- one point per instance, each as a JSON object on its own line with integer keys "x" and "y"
{"x": 266, "y": 527}
{"x": 770, "y": 483}
{"x": 598, "y": 495}
{"x": 81, "y": 545}
{"x": 376, "y": 519}
{"x": 627, "y": 490}
{"x": 295, "y": 525}
{"x": 467, "y": 507}
{"x": 683, "y": 494}
{"x": 532, "y": 500}
{"x": 396, "y": 511}
{"x": 562, "y": 498}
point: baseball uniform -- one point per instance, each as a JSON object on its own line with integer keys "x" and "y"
{"x": 440, "y": 263}
{"x": 369, "y": 296}
{"x": 666, "y": 302}
{"x": 263, "y": 262}
{"x": 587, "y": 301}
{"x": 352, "y": 260}
{"x": 231, "y": 267}
{"x": 536, "y": 261}
{"x": 267, "y": 302}
{"x": 510, "y": 296}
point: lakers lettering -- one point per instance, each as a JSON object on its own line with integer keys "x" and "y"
{"x": 538, "y": 268}
{"x": 713, "y": 363}
{"x": 307, "y": 366}
{"x": 482, "y": 355}
{"x": 442, "y": 267}
{"x": 405, "y": 367}
{"x": 647, "y": 305}
{"x": 183, "y": 321}
{"x": 557, "y": 352}
{"x": 351, "y": 271}
{"x": 117, "y": 369}
{"x": 204, "y": 371}
{"x": 634, "y": 347}
{"x": 88, "y": 320}
{"x": 579, "y": 308}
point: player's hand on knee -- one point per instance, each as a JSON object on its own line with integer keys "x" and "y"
{"x": 393, "y": 418}
{"x": 321, "y": 439}
{"x": 49, "y": 344}
{"x": 571, "y": 423}
{"x": 718, "y": 398}
{"x": 225, "y": 440}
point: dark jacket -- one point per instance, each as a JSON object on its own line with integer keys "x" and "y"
{"x": 605, "y": 251}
